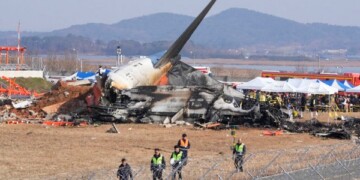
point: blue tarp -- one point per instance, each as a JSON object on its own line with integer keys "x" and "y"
{"x": 107, "y": 71}
{"x": 336, "y": 84}
{"x": 85, "y": 75}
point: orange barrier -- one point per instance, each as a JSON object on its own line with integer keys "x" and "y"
{"x": 272, "y": 133}
{"x": 14, "y": 122}
{"x": 63, "y": 123}
{"x": 48, "y": 123}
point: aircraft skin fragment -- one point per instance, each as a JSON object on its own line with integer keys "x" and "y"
{"x": 138, "y": 73}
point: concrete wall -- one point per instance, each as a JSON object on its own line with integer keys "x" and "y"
{"x": 23, "y": 73}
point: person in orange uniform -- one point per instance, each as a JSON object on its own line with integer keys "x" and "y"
{"x": 184, "y": 145}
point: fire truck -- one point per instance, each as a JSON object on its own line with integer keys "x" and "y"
{"x": 353, "y": 78}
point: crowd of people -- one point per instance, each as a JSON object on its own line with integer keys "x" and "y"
{"x": 299, "y": 102}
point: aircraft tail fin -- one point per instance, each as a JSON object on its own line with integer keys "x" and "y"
{"x": 177, "y": 46}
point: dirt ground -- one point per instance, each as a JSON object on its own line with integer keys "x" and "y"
{"x": 37, "y": 152}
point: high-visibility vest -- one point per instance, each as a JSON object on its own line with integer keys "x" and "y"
{"x": 239, "y": 148}
{"x": 278, "y": 99}
{"x": 252, "y": 95}
{"x": 262, "y": 98}
{"x": 177, "y": 157}
{"x": 157, "y": 161}
{"x": 184, "y": 143}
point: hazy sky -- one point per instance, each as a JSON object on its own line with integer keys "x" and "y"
{"x": 47, "y": 15}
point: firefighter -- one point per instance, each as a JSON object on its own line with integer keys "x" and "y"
{"x": 262, "y": 98}
{"x": 252, "y": 94}
{"x": 124, "y": 172}
{"x": 157, "y": 165}
{"x": 184, "y": 145}
{"x": 176, "y": 162}
{"x": 278, "y": 100}
{"x": 239, "y": 151}
{"x": 268, "y": 98}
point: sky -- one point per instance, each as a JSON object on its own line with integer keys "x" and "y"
{"x": 48, "y": 15}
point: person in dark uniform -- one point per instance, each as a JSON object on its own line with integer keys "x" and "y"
{"x": 157, "y": 165}
{"x": 302, "y": 105}
{"x": 124, "y": 172}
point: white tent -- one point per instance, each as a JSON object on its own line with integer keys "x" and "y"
{"x": 355, "y": 89}
{"x": 279, "y": 86}
{"x": 256, "y": 84}
{"x": 316, "y": 88}
{"x": 298, "y": 83}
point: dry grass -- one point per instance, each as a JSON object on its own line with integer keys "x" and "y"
{"x": 36, "y": 151}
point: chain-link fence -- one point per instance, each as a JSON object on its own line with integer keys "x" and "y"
{"x": 340, "y": 161}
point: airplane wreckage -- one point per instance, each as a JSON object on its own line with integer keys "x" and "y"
{"x": 160, "y": 87}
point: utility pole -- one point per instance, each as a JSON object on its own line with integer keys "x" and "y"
{"x": 18, "y": 46}
{"x": 119, "y": 56}
{"x": 319, "y": 63}
{"x": 81, "y": 65}
{"x": 192, "y": 56}
{"x": 76, "y": 58}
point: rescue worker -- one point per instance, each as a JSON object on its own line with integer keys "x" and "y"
{"x": 257, "y": 95}
{"x": 268, "y": 98}
{"x": 252, "y": 94}
{"x": 124, "y": 172}
{"x": 176, "y": 162}
{"x": 278, "y": 101}
{"x": 100, "y": 71}
{"x": 262, "y": 98}
{"x": 303, "y": 102}
{"x": 313, "y": 104}
{"x": 157, "y": 165}
{"x": 239, "y": 151}
{"x": 184, "y": 145}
